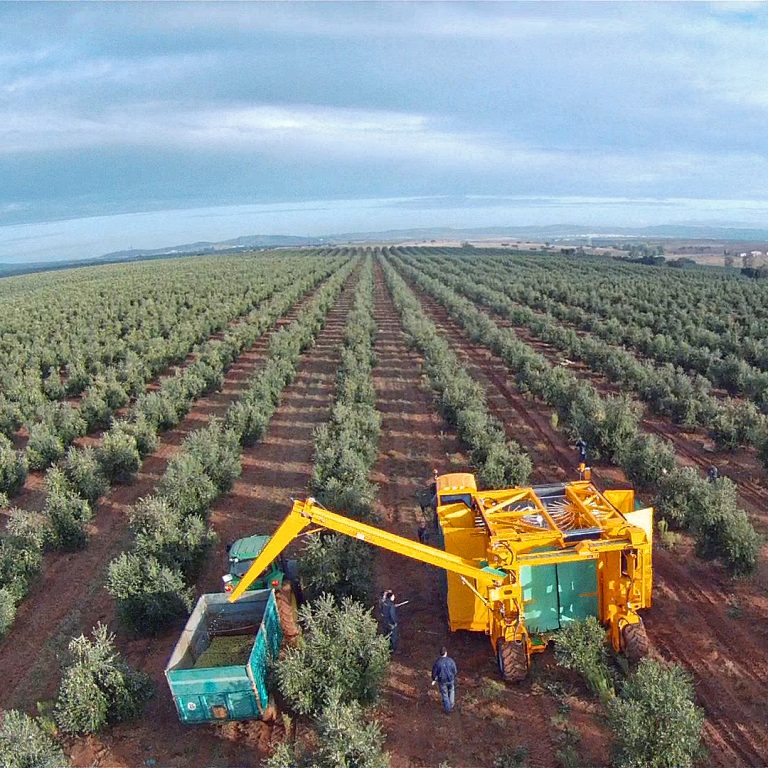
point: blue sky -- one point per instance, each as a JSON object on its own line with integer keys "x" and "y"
{"x": 135, "y": 124}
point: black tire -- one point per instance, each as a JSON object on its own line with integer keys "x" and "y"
{"x": 512, "y": 658}
{"x": 284, "y": 599}
{"x": 635, "y": 640}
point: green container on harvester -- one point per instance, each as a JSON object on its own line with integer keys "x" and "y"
{"x": 218, "y": 669}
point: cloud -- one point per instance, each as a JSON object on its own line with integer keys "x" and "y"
{"x": 281, "y": 130}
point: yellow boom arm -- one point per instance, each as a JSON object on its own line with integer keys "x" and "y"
{"x": 306, "y": 513}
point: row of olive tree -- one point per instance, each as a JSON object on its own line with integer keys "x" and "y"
{"x": 650, "y": 708}
{"x": 171, "y": 534}
{"x": 76, "y": 483}
{"x": 610, "y": 427}
{"x": 667, "y": 389}
{"x": 345, "y": 450}
{"x": 104, "y": 332}
{"x": 500, "y": 462}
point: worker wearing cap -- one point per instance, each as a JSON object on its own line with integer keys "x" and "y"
{"x": 444, "y": 676}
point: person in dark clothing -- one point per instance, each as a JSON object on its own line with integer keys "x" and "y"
{"x": 433, "y": 490}
{"x": 713, "y": 474}
{"x": 422, "y": 532}
{"x": 444, "y": 676}
{"x": 389, "y": 618}
{"x": 581, "y": 446}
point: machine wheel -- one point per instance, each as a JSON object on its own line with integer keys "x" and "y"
{"x": 512, "y": 658}
{"x": 636, "y": 643}
{"x": 284, "y": 600}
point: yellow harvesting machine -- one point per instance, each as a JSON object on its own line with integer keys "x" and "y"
{"x": 520, "y": 563}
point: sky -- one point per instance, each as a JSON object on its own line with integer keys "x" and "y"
{"x": 149, "y": 124}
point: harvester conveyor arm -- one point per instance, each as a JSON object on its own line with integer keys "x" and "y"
{"x": 305, "y": 513}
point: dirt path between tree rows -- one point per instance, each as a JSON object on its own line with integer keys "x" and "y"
{"x": 415, "y": 439}
{"x": 275, "y": 469}
{"x": 715, "y": 627}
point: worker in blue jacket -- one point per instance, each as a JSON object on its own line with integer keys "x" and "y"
{"x": 444, "y": 676}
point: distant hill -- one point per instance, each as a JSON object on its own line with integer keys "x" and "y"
{"x": 205, "y": 246}
{"x": 685, "y": 231}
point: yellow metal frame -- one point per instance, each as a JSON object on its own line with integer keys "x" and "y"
{"x": 488, "y": 536}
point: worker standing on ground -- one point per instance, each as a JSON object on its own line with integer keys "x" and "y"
{"x": 389, "y": 618}
{"x": 713, "y": 474}
{"x": 581, "y": 446}
{"x": 422, "y": 532}
{"x": 444, "y": 675}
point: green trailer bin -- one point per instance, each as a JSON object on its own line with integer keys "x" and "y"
{"x": 218, "y": 669}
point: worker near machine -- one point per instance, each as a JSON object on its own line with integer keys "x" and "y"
{"x": 389, "y": 618}
{"x": 713, "y": 474}
{"x": 422, "y": 533}
{"x": 444, "y": 676}
{"x": 433, "y": 490}
{"x": 581, "y": 446}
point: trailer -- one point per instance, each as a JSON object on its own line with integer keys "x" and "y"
{"x": 218, "y": 669}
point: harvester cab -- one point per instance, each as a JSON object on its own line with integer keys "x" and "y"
{"x": 241, "y": 555}
{"x": 520, "y": 563}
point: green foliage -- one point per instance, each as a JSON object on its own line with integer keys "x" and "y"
{"x": 176, "y": 540}
{"x": 654, "y": 721}
{"x": 7, "y": 610}
{"x": 339, "y": 654}
{"x": 95, "y": 410}
{"x": 607, "y": 424}
{"x": 98, "y": 687}
{"x": 736, "y": 424}
{"x": 13, "y": 467}
{"x": 142, "y": 430}
{"x": 10, "y": 416}
{"x": 119, "y": 456}
{"x": 83, "y": 470}
{"x": 218, "y": 452}
{"x": 723, "y": 530}
{"x": 647, "y": 460}
{"x": 511, "y": 757}
{"x": 150, "y": 596}
{"x": 25, "y": 744}
{"x": 581, "y": 646}
{"x": 44, "y": 446}
{"x": 346, "y": 738}
{"x": 157, "y": 409}
{"x": 68, "y": 515}
{"x": 187, "y": 487}
{"x": 337, "y": 565}
{"x": 29, "y": 526}
{"x": 20, "y": 562}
